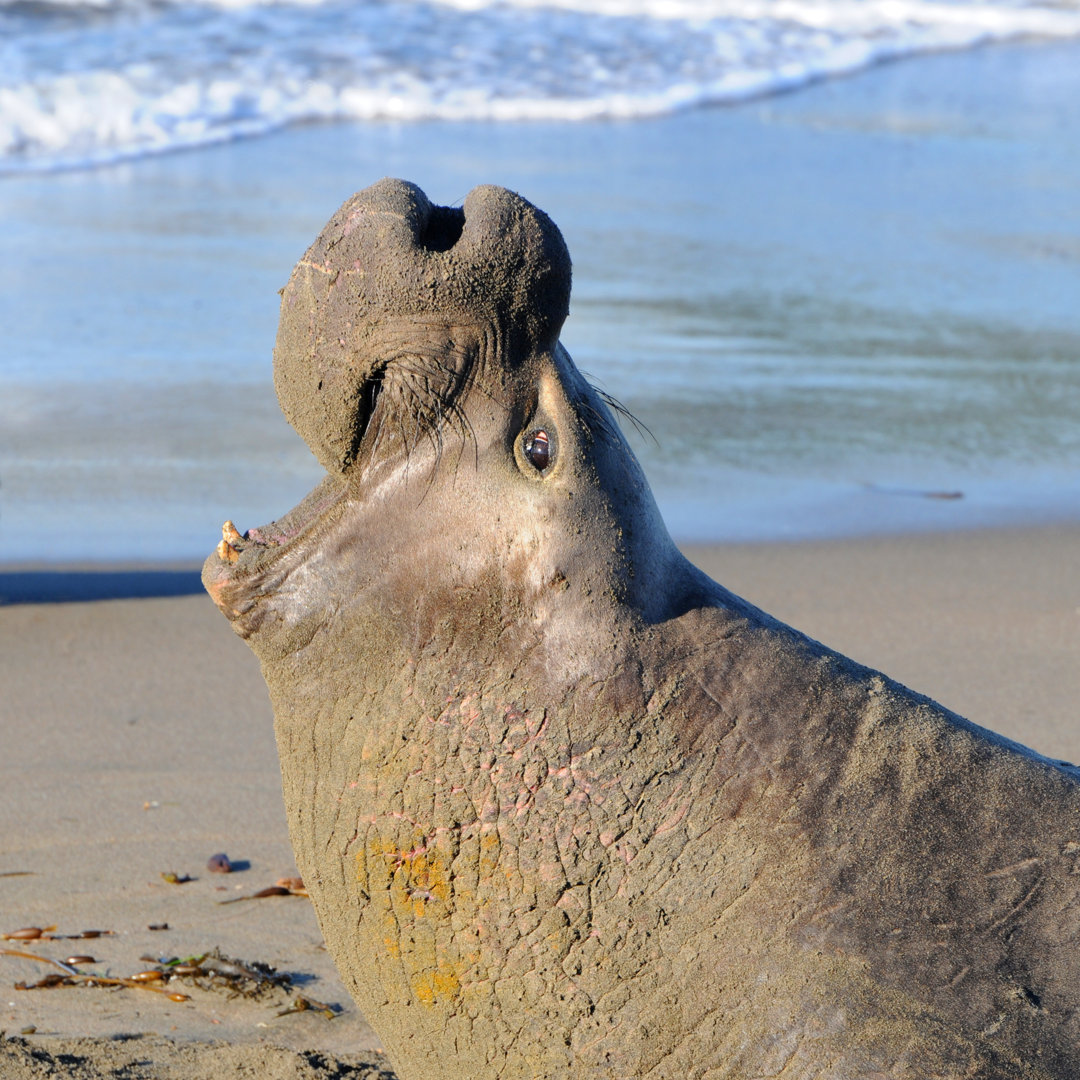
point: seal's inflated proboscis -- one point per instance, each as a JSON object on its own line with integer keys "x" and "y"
{"x": 565, "y": 806}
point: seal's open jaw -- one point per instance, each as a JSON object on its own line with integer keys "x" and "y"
{"x": 245, "y": 566}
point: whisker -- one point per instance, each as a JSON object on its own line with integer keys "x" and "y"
{"x": 620, "y": 410}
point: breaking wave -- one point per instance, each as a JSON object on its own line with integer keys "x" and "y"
{"x": 83, "y": 82}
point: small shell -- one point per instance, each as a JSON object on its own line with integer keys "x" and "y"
{"x": 27, "y": 933}
{"x": 147, "y": 976}
{"x": 73, "y": 960}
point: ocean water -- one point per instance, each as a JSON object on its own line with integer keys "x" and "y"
{"x": 89, "y": 81}
{"x": 840, "y": 305}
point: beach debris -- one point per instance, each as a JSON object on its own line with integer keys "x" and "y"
{"x": 48, "y": 933}
{"x": 284, "y": 887}
{"x": 173, "y": 878}
{"x": 151, "y": 804}
{"x": 43, "y": 982}
{"x": 17, "y": 873}
{"x": 251, "y": 979}
{"x": 211, "y": 971}
{"x": 219, "y": 864}
{"x": 158, "y": 926}
{"x": 303, "y": 1004}
{"x": 272, "y": 890}
{"x": 148, "y": 976}
{"x": 68, "y": 976}
{"x": 243, "y": 978}
{"x": 27, "y": 933}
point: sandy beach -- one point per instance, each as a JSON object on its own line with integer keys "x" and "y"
{"x": 138, "y": 743}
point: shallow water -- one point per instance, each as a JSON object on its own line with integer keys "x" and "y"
{"x": 823, "y": 305}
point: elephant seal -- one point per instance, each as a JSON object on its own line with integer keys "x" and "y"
{"x": 565, "y": 806}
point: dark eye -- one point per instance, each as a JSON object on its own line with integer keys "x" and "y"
{"x": 537, "y": 449}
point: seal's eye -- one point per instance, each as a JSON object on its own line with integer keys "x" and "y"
{"x": 537, "y": 449}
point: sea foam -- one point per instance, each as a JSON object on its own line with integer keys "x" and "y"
{"x": 89, "y": 81}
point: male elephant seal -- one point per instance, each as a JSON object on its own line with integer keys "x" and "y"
{"x": 565, "y": 806}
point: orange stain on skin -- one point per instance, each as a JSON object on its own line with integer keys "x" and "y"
{"x": 442, "y": 984}
{"x": 489, "y": 852}
{"x": 419, "y": 879}
{"x": 407, "y": 885}
{"x": 419, "y": 872}
{"x": 411, "y": 895}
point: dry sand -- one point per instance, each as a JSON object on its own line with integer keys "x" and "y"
{"x": 137, "y": 740}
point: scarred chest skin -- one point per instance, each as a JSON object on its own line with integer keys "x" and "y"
{"x": 565, "y": 806}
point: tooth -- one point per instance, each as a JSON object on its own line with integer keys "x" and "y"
{"x": 229, "y": 537}
{"x": 229, "y": 554}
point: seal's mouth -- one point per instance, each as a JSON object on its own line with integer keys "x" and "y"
{"x": 245, "y": 565}
{"x": 284, "y": 530}
{"x": 242, "y": 565}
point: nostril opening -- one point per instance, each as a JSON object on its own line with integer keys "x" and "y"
{"x": 443, "y": 229}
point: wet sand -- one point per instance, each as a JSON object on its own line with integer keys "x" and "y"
{"x": 138, "y": 741}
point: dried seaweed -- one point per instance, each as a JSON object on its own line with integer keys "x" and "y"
{"x": 47, "y": 933}
{"x": 213, "y": 972}
{"x": 250, "y": 979}
{"x": 292, "y": 886}
{"x": 68, "y": 976}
